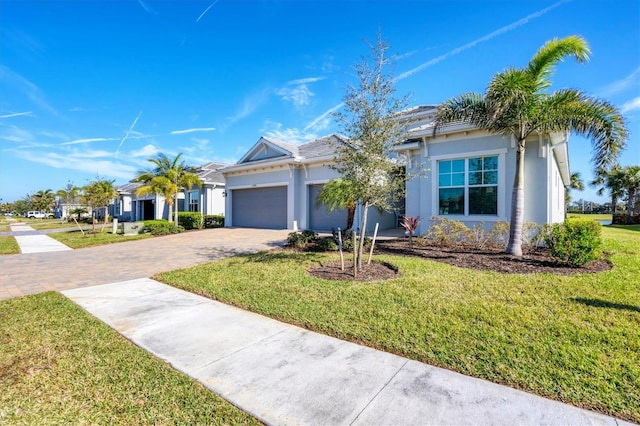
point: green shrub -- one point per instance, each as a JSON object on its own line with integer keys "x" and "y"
{"x": 190, "y": 220}
{"x": 499, "y": 234}
{"x": 575, "y": 241}
{"x": 161, "y": 227}
{"x": 327, "y": 244}
{"x": 213, "y": 221}
{"x": 301, "y": 239}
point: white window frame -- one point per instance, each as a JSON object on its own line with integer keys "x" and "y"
{"x": 501, "y": 196}
{"x": 193, "y": 195}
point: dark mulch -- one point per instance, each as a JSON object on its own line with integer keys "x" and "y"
{"x": 373, "y": 272}
{"x": 490, "y": 259}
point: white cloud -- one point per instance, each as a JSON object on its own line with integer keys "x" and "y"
{"x": 289, "y": 135}
{"x": 298, "y": 96}
{"x": 621, "y": 85}
{"x": 28, "y": 89}
{"x": 16, "y": 134}
{"x": 193, "y": 130}
{"x": 147, "y": 8}
{"x": 83, "y": 164}
{"x": 308, "y": 80}
{"x": 250, "y": 104}
{"x": 632, "y": 105}
{"x": 88, "y": 140}
{"x": 148, "y": 150}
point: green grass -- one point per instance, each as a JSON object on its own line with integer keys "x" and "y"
{"x": 59, "y": 365}
{"x": 591, "y": 216}
{"x": 75, "y": 240}
{"x": 572, "y": 338}
{"x": 5, "y": 227}
{"x": 8, "y": 245}
{"x": 56, "y": 223}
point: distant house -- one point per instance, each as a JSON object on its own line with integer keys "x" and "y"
{"x": 461, "y": 173}
{"x": 208, "y": 200}
{"x": 64, "y": 210}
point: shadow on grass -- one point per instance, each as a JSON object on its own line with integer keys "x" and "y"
{"x": 276, "y": 256}
{"x": 597, "y": 303}
{"x": 635, "y": 228}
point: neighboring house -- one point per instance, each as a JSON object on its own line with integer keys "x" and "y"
{"x": 461, "y": 173}
{"x": 208, "y": 200}
{"x": 63, "y": 210}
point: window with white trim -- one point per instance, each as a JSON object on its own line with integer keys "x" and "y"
{"x": 193, "y": 201}
{"x": 468, "y": 186}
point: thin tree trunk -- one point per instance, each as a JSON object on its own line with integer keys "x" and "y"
{"x": 351, "y": 212}
{"x": 517, "y": 205}
{"x": 363, "y": 228}
{"x": 170, "y": 218}
{"x": 175, "y": 215}
{"x": 630, "y": 205}
{"x": 614, "y": 204}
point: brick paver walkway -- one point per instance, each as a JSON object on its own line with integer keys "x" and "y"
{"x": 23, "y": 274}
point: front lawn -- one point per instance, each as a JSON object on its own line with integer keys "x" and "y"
{"x": 75, "y": 240}
{"x": 572, "y": 338}
{"x": 59, "y": 365}
{"x": 8, "y": 245}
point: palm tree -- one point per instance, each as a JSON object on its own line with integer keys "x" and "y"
{"x": 43, "y": 200}
{"x": 575, "y": 182}
{"x": 516, "y": 104}
{"x": 613, "y": 181}
{"x": 338, "y": 194}
{"x": 98, "y": 194}
{"x": 68, "y": 195}
{"x": 631, "y": 180}
{"x": 168, "y": 178}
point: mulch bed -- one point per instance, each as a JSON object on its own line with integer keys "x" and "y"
{"x": 488, "y": 259}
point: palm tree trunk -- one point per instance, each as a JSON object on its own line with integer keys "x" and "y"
{"x": 614, "y": 204}
{"x": 630, "y": 205}
{"x": 517, "y": 205}
{"x": 175, "y": 215}
{"x": 351, "y": 212}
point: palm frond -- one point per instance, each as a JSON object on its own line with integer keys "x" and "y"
{"x": 542, "y": 64}
{"x": 467, "y": 108}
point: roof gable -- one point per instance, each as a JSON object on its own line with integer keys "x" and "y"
{"x": 269, "y": 148}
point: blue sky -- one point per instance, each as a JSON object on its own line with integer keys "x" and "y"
{"x": 94, "y": 88}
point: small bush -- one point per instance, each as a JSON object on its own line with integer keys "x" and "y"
{"x": 301, "y": 239}
{"x": 575, "y": 241}
{"x": 327, "y": 244}
{"x": 499, "y": 234}
{"x": 213, "y": 221}
{"x": 445, "y": 232}
{"x": 161, "y": 227}
{"x": 190, "y": 220}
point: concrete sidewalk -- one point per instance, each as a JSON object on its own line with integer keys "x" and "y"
{"x": 35, "y": 243}
{"x": 284, "y": 375}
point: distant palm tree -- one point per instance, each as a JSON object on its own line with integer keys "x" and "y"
{"x": 68, "y": 196}
{"x": 575, "y": 182}
{"x": 516, "y": 104}
{"x": 98, "y": 194}
{"x": 613, "y": 181}
{"x": 43, "y": 200}
{"x": 168, "y": 178}
{"x": 631, "y": 180}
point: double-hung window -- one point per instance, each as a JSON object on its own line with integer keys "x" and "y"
{"x": 468, "y": 186}
{"x": 193, "y": 201}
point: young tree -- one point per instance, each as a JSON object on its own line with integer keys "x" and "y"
{"x": 98, "y": 194}
{"x": 575, "y": 182}
{"x": 168, "y": 178}
{"x": 370, "y": 121}
{"x": 516, "y": 104}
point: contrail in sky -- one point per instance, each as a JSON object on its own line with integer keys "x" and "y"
{"x": 206, "y": 10}
{"x": 128, "y": 132}
{"x": 455, "y": 51}
{"x": 16, "y": 114}
{"x": 487, "y": 37}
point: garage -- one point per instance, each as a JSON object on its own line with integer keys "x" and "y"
{"x": 320, "y": 219}
{"x": 260, "y": 207}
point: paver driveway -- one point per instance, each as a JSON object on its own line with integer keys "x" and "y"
{"x": 23, "y": 274}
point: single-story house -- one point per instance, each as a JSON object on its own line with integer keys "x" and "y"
{"x": 461, "y": 173}
{"x": 209, "y": 199}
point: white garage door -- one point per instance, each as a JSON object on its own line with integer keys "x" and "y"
{"x": 320, "y": 219}
{"x": 260, "y": 207}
